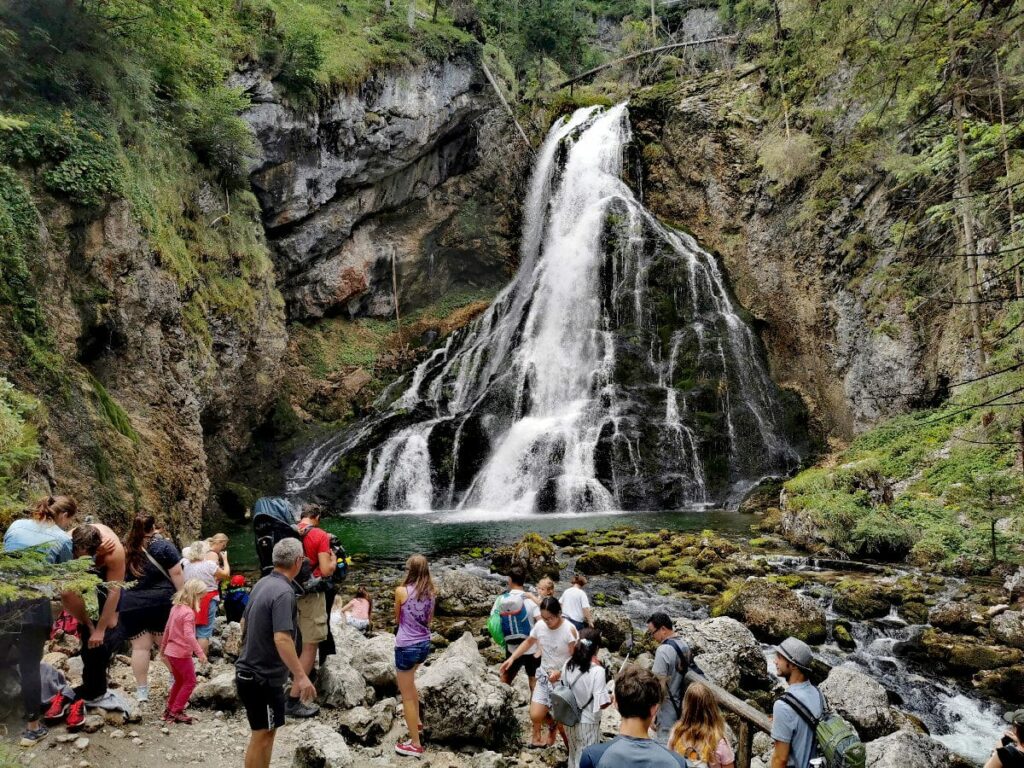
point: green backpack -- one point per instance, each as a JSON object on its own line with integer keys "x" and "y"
{"x": 836, "y": 739}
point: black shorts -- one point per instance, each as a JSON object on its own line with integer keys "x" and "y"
{"x": 527, "y": 661}
{"x": 264, "y": 702}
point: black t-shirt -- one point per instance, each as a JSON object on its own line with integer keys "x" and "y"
{"x": 1011, "y": 756}
{"x": 151, "y": 587}
{"x": 271, "y": 609}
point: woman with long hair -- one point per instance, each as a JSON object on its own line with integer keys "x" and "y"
{"x": 153, "y": 576}
{"x": 699, "y": 736}
{"x": 198, "y": 565}
{"x": 45, "y": 530}
{"x": 557, "y": 639}
{"x": 414, "y": 610}
{"x": 586, "y": 678}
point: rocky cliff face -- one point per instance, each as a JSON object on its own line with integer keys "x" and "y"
{"x": 366, "y": 180}
{"x": 835, "y": 331}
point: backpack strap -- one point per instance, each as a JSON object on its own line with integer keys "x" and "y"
{"x": 158, "y": 566}
{"x": 802, "y": 711}
{"x": 583, "y": 708}
{"x": 682, "y": 662}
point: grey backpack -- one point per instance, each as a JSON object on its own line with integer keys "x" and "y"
{"x": 565, "y": 707}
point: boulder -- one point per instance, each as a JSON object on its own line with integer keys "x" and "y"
{"x": 1004, "y": 682}
{"x": 862, "y": 599}
{"x": 956, "y": 617}
{"x": 606, "y": 560}
{"x": 904, "y": 749}
{"x": 533, "y": 552}
{"x": 1014, "y": 585}
{"x": 339, "y": 684}
{"x": 862, "y": 701}
{"x": 320, "y": 747}
{"x": 1008, "y": 628}
{"x": 463, "y": 702}
{"x": 464, "y": 593}
{"x": 218, "y": 692}
{"x": 730, "y": 650}
{"x": 374, "y": 659}
{"x": 368, "y": 726}
{"x": 967, "y": 654}
{"x": 57, "y": 660}
{"x": 231, "y": 640}
{"x": 773, "y": 612}
{"x": 615, "y": 627}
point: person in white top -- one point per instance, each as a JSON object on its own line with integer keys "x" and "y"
{"x": 203, "y": 564}
{"x": 557, "y": 640}
{"x": 575, "y": 604}
{"x": 584, "y": 674}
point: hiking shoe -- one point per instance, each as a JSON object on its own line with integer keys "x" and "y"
{"x": 409, "y": 749}
{"x": 76, "y": 715}
{"x": 57, "y": 709}
{"x": 31, "y": 738}
{"x": 181, "y": 717}
{"x": 167, "y": 716}
{"x": 299, "y": 709}
{"x": 142, "y": 693}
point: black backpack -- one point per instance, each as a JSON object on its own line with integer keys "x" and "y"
{"x": 273, "y": 519}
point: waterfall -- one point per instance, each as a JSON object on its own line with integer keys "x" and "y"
{"x": 613, "y": 372}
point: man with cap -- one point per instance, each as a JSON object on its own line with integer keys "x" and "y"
{"x": 794, "y": 738}
{"x": 1010, "y": 751}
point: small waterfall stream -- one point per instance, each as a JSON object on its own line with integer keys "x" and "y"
{"x": 613, "y": 372}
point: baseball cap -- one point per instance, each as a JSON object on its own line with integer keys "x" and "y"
{"x": 796, "y": 652}
{"x": 238, "y": 580}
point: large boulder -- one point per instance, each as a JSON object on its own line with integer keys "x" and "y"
{"x": 615, "y": 627}
{"x": 606, "y": 560}
{"x": 955, "y": 617}
{"x": 320, "y": 747}
{"x": 862, "y": 599}
{"x": 464, "y": 593}
{"x": 340, "y": 685}
{"x": 218, "y": 692}
{"x": 727, "y": 651}
{"x": 231, "y": 640}
{"x": 904, "y": 749}
{"x": 1008, "y": 628}
{"x": 462, "y": 701}
{"x": 774, "y": 612}
{"x": 862, "y": 701}
{"x": 533, "y": 552}
{"x": 374, "y": 659}
{"x": 368, "y": 726}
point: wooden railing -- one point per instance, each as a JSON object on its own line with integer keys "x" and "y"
{"x": 747, "y": 714}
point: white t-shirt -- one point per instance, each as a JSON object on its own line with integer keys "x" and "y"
{"x": 202, "y": 570}
{"x": 532, "y": 610}
{"x": 554, "y": 643}
{"x": 573, "y": 601}
{"x": 594, "y": 683}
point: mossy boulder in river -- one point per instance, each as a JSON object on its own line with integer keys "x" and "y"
{"x": 606, "y": 560}
{"x": 533, "y": 552}
{"x": 967, "y": 654}
{"x": 862, "y": 599}
{"x": 773, "y": 612}
{"x": 956, "y": 617}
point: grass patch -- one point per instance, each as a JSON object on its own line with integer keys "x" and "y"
{"x": 113, "y": 412}
{"x": 20, "y": 418}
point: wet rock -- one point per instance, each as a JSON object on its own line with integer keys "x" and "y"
{"x": 861, "y": 599}
{"x": 731, "y": 653}
{"x": 956, "y": 617}
{"x": 615, "y": 627}
{"x": 374, "y": 659}
{"x": 844, "y": 639}
{"x": 533, "y": 552}
{"x": 1004, "y": 682}
{"x": 967, "y": 653}
{"x": 340, "y": 685}
{"x": 862, "y": 701}
{"x": 904, "y": 749}
{"x": 606, "y": 560}
{"x": 463, "y": 703}
{"x": 773, "y": 612}
{"x": 320, "y": 747}
{"x": 1008, "y": 628}
{"x": 218, "y": 693}
{"x": 368, "y": 726}
{"x": 464, "y": 593}
{"x": 649, "y": 564}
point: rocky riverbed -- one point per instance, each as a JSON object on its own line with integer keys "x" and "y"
{"x": 918, "y": 664}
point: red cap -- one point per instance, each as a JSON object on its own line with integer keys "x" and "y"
{"x": 238, "y": 580}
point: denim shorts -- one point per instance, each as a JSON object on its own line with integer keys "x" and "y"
{"x": 408, "y": 657}
{"x": 205, "y": 632}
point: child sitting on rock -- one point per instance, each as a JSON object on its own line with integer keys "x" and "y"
{"x": 179, "y": 645}
{"x": 357, "y": 611}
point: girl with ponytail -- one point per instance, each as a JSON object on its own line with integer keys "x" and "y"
{"x": 585, "y": 676}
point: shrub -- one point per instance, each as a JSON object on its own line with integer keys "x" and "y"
{"x": 302, "y": 59}
{"x": 787, "y": 159}
{"x": 217, "y": 134}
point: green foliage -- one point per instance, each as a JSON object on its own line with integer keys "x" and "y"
{"x": 216, "y": 133}
{"x": 787, "y": 159}
{"x": 26, "y": 575}
{"x": 20, "y": 416}
{"x": 114, "y": 413}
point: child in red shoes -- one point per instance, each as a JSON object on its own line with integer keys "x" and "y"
{"x": 178, "y": 647}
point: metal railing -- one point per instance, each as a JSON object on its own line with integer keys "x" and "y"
{"x": 747, "y": 715}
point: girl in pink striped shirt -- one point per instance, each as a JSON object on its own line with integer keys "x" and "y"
{"x": 179, "y": 645}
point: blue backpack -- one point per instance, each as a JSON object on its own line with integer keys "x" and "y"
{"x": 515, "y": 618}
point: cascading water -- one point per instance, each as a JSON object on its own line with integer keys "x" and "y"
{"x": 613, "y": 372}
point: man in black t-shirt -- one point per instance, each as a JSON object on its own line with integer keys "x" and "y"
{"x": 1010, "y": 752}
{"x": 268, "y": 653}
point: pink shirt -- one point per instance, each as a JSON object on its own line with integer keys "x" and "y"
{"x": 360, "y": 608}
{"x": 180, "y": 634}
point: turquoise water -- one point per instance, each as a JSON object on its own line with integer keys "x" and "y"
{"x": 392, "y": 537}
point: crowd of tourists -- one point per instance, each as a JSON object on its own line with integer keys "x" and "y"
{"x": 153, "y": 596}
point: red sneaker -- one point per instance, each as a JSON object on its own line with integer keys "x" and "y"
{"x": 181, "y": 717}
{"x": 409, "y": 749}
{"x": 57, "y": 710}
{"x": 76, "y": 715}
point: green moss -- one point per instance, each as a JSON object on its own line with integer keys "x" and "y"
{"x": 114, "y": 413}
{"x": 20, "y": 417}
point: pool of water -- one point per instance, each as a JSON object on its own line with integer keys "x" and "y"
{"x": 393, "y": 536}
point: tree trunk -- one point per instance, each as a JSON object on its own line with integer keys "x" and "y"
{"x": 654, "y": 25}
{"x": 410, "y": 15}
{"x": 1020, "y": 446}
{"x": 1018, "y": 288}
{"x": 963, "y": 192}
{"x": 778, "y": 19}
{"x": 434, "y": 17}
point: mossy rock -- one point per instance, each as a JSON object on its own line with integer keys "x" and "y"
{"x": 606, "y": 560}
{"x": 841, "y": 634}
{"x": 1006, "y": 683}
{"x": 762, "y": 542}
{"x": 966, "y": 654}
{"x": 649, "y": 564}
{"x": 773, "y": 612}
{"x": 686, "y": 578}
{"x": 790, "y": 580}
{"x": 566, "y": 538}
{"x": 862, "y": 599}
{"x": 533, "y": 552}
{"x": 642, "y": 541}
{"x": 915, "y": 612}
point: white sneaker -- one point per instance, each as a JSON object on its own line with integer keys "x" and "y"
{"x": 142, "y": 693}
